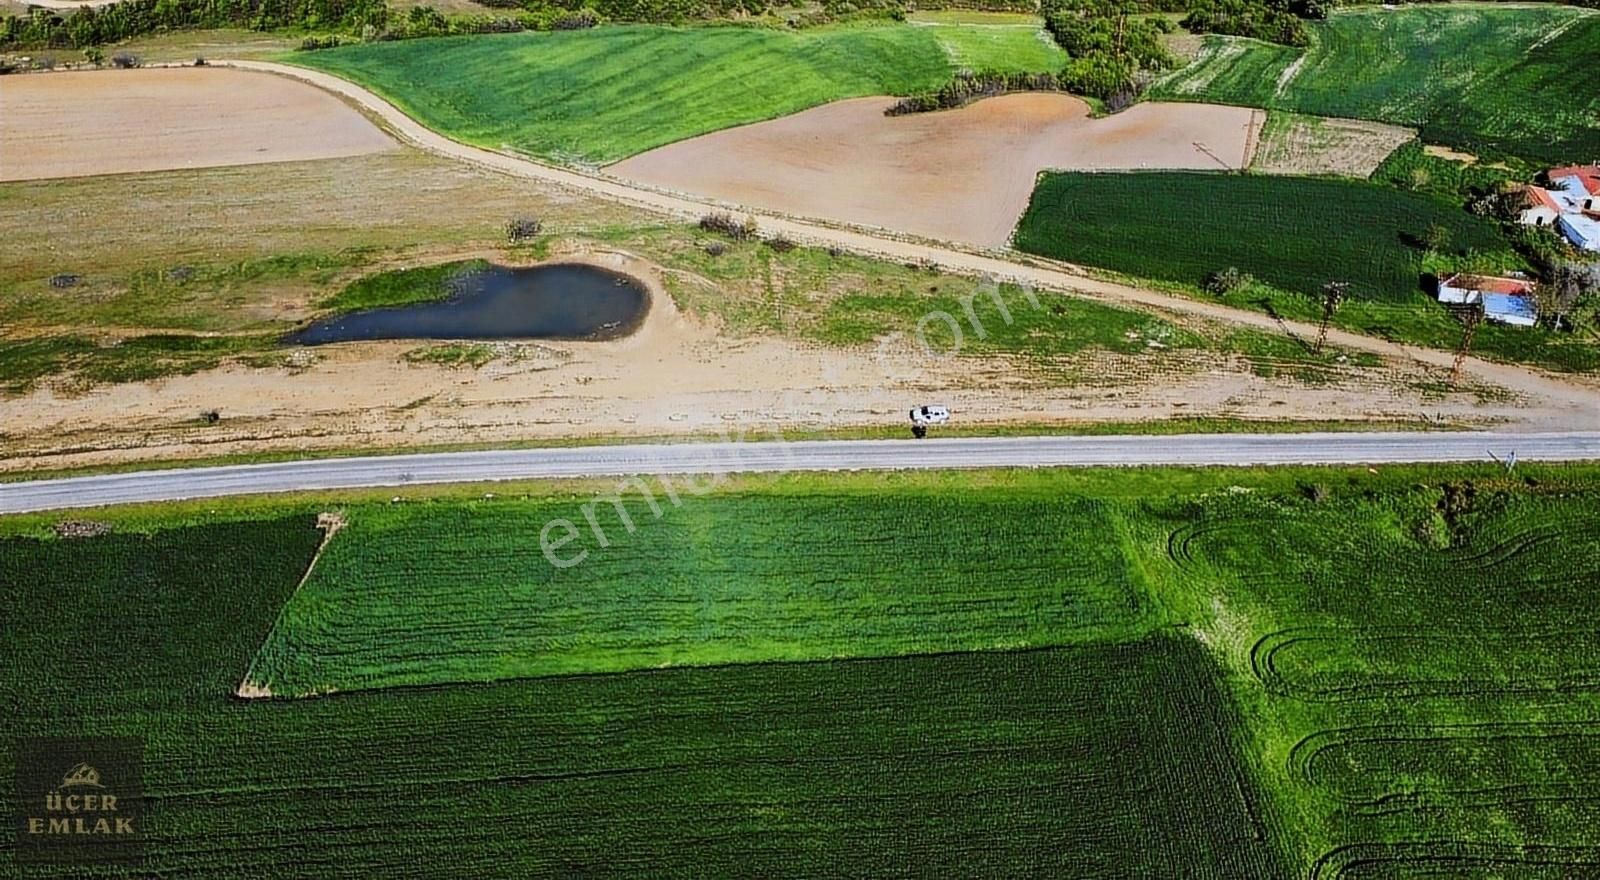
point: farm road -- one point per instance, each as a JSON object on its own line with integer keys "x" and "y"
{"x": 1574, "y": 403}
{"x": 779, "y": 457}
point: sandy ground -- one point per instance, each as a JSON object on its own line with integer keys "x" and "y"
{"x": 959, "y": 175}
{"x": 160, "y": 118}
{"x": 678, "y": 375}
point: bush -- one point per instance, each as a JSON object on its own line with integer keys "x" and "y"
{"x": 575, "y": 21}
{"x": 968, "y": 86}
{"x": 1225, "y": 281}
{"x": 126, "y": 61}
{"x": 725, "y": 224}
{"x": 781, "y": 244}
{"x": 311, "y": 44}
{"x": 523, "y": 229}
{"x": 716, "y": 248}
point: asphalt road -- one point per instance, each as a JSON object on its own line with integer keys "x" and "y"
{"x": 810, "y": 455}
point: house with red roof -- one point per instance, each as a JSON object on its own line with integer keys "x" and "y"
{"x": 1503, "y": 300}
{"x": 1570, "y": 204}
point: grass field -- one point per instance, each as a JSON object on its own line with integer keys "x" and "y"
{"x": 1258, "y": 673}
{"x": 1293, "y": 233}
{"x": 578, "y": 96}
{"x": 1491, "y": 80}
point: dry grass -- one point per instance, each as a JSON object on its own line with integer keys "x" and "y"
{"x": 1295, "y": 144}
{"x": 275, "y": 235}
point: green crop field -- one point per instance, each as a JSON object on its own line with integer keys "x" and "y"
{"x": 1292, "y": 235}
{"x": 1491, "y": 80}
{"x": 713, "y": 581}
{"x": 1314, "y": 673}
{"x": 601, "y": 95}
{"x": 1291, "y": 232}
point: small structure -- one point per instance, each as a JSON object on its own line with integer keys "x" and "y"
{"x": 1539, "y": 207}
{"x": 1570, "y": 204}
{"x": 1583, "y": 230}
{"x": 1576, "y": 185}
{"x": 1503, "y": 300}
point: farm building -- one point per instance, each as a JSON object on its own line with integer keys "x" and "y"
{"x": 1504, "y": 300}
{"x": 1583, "y": 230}
{"x": 1577, "y": 185}
{"x": 1539, "y": 207}
{"x": 1571, "y": 203}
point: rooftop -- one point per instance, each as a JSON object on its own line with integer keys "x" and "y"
{"x": 1490, "y": 284}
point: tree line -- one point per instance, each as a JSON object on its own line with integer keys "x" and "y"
{"x": 90, "y": 26}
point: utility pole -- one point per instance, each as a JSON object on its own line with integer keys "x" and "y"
{"x": 1333, "y": 294}
{"x": 1471, "y": 317}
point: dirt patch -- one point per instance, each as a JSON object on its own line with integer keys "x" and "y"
{"x": 1296, "y": 144}
{"x": 115, "y": 121}
{"x": 960, "y": 175}
{"x": 1452, "y": 155}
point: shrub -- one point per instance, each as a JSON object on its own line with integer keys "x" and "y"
{"x": 311, "y": 44}
{"x": 211, "y": 416}
{"x": 1224, "y": 281}
{"x": 126, "y": 61}
{"x": 65, "y": 280}
{"x": 781, "y": 244}
{"x": 575, "y": 21}
{"x": 94, "y": 56}
{"x": 726, "y": 224}
{"x": 716, "y": 248}
{"x": 523, "y": 229}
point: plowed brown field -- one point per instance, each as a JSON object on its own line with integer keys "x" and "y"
{"x": 960, "y": 175}
{"x": 154, "y": 119}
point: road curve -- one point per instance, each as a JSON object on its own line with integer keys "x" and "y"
{"x": 778, "y": 457}
{"x": 1580, "y": 399}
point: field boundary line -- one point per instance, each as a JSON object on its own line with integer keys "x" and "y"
{"x": 330, "y": 524}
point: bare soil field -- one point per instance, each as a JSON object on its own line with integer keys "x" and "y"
{"x": 959, "y": 175}
{"x": 1295, "y": 144}
{"x": 116, "y": 121}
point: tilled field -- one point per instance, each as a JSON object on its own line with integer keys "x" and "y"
{"x": 116, "y": 121}
{"x": 961, "y": 175}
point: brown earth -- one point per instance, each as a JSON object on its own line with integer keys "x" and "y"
{"x": 162, "y": 118}
{"x": 959, "y": 175}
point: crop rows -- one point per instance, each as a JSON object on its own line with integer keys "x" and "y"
{"x": 1433, "y": 661}
{"x": 1456, "y": 858}
{"x": 1336, "y": 665}
{"x": 600, "y": 95}
{"x": 1086, "y": 760}
{"x": 1491, "y": 81}
{"x": 428, "y": 594}
{"x": 1460, "y": 765}
{"x": 1295, "y": 233}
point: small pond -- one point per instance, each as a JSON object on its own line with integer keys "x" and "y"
{"x": 560, "y": 301}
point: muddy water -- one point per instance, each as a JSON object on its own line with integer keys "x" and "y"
{"x": 562, "y": 301}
